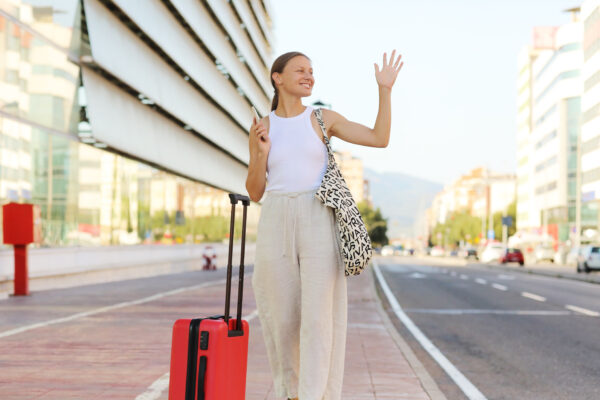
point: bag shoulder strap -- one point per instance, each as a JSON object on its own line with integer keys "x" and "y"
{"x": 319, "y": 115}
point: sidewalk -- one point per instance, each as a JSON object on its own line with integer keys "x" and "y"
{"x": 112, "y": 340}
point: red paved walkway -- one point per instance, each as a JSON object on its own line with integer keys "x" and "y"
{"x": 120, "y": 348}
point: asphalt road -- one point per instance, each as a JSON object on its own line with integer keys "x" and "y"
{"x": 513, "y": 335}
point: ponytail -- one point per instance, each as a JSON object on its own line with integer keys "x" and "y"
{"x": 275, "y": 100}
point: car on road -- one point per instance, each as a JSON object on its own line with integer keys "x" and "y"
{"x": 543, "y": 252}
{"x": 512, "y": 255}
{"x": 468, "y": 252}
{"x": 387, "y": 251}
{"x": 437, "y": 251}
{"x": 589, "y": 258}
{"x": 492, "y": 252}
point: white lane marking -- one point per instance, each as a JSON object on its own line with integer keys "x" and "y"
{"x": 107, "y": 308}
{"x": 499, "y": 287}
{"x": 506, "y": 277}
{"x": 417, "y": 275}
{"x": 463, "y": 383}
{"x": 481, "y": 281}
{"x": 156, "y": 389}
{"x": 463, "y": 276}
{"x": 444, "y": 311}
{"x": 582, "y": 310}
{"x": 453, "y": 273}
{"x": 533, "y": 296}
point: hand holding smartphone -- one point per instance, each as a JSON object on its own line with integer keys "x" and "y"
{"x": 256, "y": 120}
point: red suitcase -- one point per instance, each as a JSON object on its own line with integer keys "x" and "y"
{"x": 209, "y": 355}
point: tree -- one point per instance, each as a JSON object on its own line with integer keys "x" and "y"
{"x": 511, "y": 211}
{"x": 376, "y": 224}
{"x": 460, "y": 226}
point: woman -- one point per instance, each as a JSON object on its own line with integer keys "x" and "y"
{"x": 298, "y": 279}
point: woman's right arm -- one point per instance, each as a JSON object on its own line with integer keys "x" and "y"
{"x": 259, "y": 145}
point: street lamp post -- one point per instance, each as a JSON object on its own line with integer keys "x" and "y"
{"x": 321, "y": 104}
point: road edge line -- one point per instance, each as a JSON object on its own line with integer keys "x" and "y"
{"x": 427, "y": 381}
{"x": 461, "y": 381}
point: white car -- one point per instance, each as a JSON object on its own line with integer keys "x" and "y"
{"x": 492, "y": 252}
{"x": 543, "y": 252}
{"x": 387, "y": 251}
{"x": 589, "y": 259}
{"x": 437, "y": 251}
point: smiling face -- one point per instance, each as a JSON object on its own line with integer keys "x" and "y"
{"x": 297, "y": 77}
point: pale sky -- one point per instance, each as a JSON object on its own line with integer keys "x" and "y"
{"x": 454, "y": 102}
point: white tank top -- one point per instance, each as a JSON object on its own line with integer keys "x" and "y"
{"x": 297, "y": 160}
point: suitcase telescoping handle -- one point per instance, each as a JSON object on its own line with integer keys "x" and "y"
{"x": 234, "y": 198}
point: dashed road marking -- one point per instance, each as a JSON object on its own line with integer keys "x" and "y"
{"x": 533, "y": 296}
{"x": 499, "y": 287}
{"x": 582, "y": 310}
{"x": 464, "y": 277}
{"x": 481, "y": 281}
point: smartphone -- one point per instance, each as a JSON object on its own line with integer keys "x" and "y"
{"x": 255, "y": 113}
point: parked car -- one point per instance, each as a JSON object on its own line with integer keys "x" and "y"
{"x": 437, "y": 251}
{"x": 468, "y": 252}
{"x": 492, "y": 252}
{"x": 589, "y": 258}
{"x": 387, "y": 251}
{"x": 512, "y": 255}
{"x": 543, "y": 252}
{"x": 398, "y": 250}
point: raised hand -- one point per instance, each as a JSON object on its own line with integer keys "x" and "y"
{"x": 389, "y": 71}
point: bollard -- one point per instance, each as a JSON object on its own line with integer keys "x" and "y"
{"x": 21, "y": 226}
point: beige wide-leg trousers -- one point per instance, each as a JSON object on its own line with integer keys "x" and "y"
{"x": 300, "y": 291}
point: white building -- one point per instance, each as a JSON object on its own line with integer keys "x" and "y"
{"x": 118, "y": 117}
{"x": 590, "y": 107}
{"x": 549, "y": 101}
{"x": 480, "y": 193}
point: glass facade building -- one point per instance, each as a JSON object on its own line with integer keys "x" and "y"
{"x": 138, "y": 151}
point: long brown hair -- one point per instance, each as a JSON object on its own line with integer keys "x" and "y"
{"x": 278, "y": 66}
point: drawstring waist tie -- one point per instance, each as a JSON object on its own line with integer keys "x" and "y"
{"x": 291, "y": 212}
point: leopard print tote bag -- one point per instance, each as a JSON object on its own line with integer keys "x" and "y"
{"x": 353, "y": 238}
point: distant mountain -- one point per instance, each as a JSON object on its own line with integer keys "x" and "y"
{"x": 402, "y": 199}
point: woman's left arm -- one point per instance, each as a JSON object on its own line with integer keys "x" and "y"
{"x": 379, "y": 136}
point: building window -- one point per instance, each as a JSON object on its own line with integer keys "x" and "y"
{"x": 545, "y": 188}
{"x": 545, "y": 140}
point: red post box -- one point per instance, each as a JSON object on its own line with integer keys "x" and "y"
{"x": 21, "y": 225}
